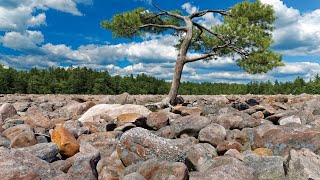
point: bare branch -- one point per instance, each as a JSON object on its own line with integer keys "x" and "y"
{"x": 205, "y": 56}
{"x": 202, "y": 13}
{"x": 164, "y": 26}
{"x": 169, "y": 13}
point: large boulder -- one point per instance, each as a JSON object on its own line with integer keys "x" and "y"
{"x": 21, "y": 135}
{"x": 105, "y": 142}
{"x": 113, "y": 110}
{"x": 200, "y": 156}
{"x": 67, "y": 144}
{"x": 302, "y": 164}
{"x": 190, "y": 125}
{"x": 266, "y": 167}
{"x": 139, "y": 144}
{"x": 157, "y": 120}
{"x": 7, "y": 110}
{"x": 44, "y": 151}
{"x": 74, "y": 110}
{"x": 16, "y": 164}
{"x": 157, "y": 169}
{"x": 35, "y": 118}
{"x": 226, "y": 168}
{"x": 281, "y": 139}
{"x": 213, "y": 134}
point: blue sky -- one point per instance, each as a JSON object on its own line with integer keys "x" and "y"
{"x": 44, "y": 33}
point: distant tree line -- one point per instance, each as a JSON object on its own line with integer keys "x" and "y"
{"x": 56, "y": 80}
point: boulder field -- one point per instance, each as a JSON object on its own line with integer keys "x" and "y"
{"x": 126, "y": 137}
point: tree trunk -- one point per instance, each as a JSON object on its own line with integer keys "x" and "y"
{"x": 181, "y": 60}
{"x": 176, "y": 81}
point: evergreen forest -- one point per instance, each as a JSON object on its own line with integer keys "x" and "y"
{"x": 56, "y": 80}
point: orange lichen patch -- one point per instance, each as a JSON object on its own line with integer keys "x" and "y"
{"x": 263, "y": 152}
{"x": 67, "y": 144}
{"x": 127, "y": 118}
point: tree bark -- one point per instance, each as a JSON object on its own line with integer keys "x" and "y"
{"x": 181, "y": 60}
{"x": 176, "y": 81}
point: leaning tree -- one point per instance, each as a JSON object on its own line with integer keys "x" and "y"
{"x": 244, "y": 34}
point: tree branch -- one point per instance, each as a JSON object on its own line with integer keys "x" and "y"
{"x": 202, "y": 13}
{"x": 169, "y": 13}
{"x": 205, "y": 56}
{"x": 164, "y": 26}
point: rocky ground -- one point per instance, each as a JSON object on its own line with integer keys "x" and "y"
{"x": 126, "y": 137}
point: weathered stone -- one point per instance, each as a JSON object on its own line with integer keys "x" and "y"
{"x": 104, "y": 142}
{"x": 213, "y": 134}
{"x": 227, "y": 168}
{"x": 226, "y": 145}
{"x": 185, "y": 110}
{"x": 230, "y": 121}
{"x": 127, "y": 118}
{"x": 62, "y": 165}
{"x": 135, "y": 176}
{"x": 281, "y": 139}
{"x": 74, "y": 110}
{"x": 20, "y": 136}
{"x": 240, "y": 136}
{"x": 157, "y": 120}
{"x": 84, "y": 163}
{"x": 290, "y": 119}
{"x": 16, "y": 164}
{"x": 166, "y": 132}
{"x": 240, "y": 106}
{"x": 156, "y": 169}
{"x": 76, "y": 128}
{"x": 44, "y": 151}
{"x": 252, "y": 102}
{"x": 258, "y": 115}
{"x": 110, "y": 167}
{"x": 235, "y": 154}
{"x": 67, "y": 144}
{"x": 263, "y": 152}
{"x": 139, "y": 144}
{"x": 35, "y": 118}
{"x": 4, "y": 142}
{"x": 113, "y": 110}
{"x": 302, "y": 164}
{"x": 200, "y": 156}
{"x": 21, "y": 106}
{"x": 267, "y": 167}
{"x": 7, "y": 110}
{"x": 190, "y": 125}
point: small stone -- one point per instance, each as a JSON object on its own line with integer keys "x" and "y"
{"x": 157, "y": 120}
{"x": 258, "y": 115}
{"x": 230, "y": 121}
{"x": 290, "y": 119}
{"x": 76, "y": 128}
{"x": 263, "y": 152}
{"x": 62, "y": 165}
{"x": 67, "y": 144}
